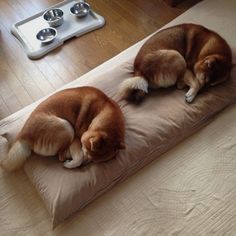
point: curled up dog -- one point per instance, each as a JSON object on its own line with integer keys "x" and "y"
{"x": 185, "y": 55}
{"x": 79, "y": 125}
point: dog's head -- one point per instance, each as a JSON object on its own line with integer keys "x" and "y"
{"x": 215, "y": 69}
{"x": 98, "y": 146}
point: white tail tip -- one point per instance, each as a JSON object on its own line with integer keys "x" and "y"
{"x": 133, "y": 83}
{"x": 17, "y": 156}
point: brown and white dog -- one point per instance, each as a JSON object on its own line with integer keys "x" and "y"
{"x": 183, "y": 55}
{"x": 78, "y": 123}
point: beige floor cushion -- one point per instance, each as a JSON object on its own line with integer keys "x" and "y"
{"x": 152, "y": 128}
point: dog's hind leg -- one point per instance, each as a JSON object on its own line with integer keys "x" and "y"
{"x": 52, "y": 134}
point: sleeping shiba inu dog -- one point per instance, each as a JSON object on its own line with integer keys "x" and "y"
{"x": 183, "y": 55}
{"x": 79, "y": 124}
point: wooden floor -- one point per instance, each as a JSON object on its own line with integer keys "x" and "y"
{"x": 23, "y": 81}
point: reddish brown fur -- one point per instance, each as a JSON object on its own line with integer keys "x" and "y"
{"x": 207, "y": 55}
{"x": 87, "y": 110}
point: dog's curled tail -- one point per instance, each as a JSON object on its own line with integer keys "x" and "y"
{"x": 17, "y": 156}
{"x": 133, "y": 89}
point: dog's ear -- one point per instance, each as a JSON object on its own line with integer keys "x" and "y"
{"x": 210, "y": 61}
{"x": 94, "y": 143}
{"x": 97, "y": 141}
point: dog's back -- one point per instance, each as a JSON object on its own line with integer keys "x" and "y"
{"x": 205, "y": 52}
{"x": 62, "y": 118}
{"x": 80, "y": 107}
{"x": 172, "y": 38}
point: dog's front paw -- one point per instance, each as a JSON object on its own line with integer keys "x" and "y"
{"x": 72, "y": 164}
{"x": 189, "y": 97}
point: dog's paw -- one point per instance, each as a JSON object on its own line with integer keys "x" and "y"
{"x": 189, "y": 97}
{"x": 70, "y": 164}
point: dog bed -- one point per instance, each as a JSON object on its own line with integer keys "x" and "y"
{"x": 163, "y": 120}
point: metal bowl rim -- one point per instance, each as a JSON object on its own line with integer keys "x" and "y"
{"x": 54, "y": 36}
{"x": 85, "y": 3}
{"x": 79, "y": 3}
{"x": 53, "y": 10}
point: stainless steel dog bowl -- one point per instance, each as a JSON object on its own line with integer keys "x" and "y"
{"x": 54, "y": 17}
{"x": 46, "y": 35}
{"x": 80, "y": 9}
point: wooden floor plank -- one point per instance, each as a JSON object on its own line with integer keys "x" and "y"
{"x": 23, "y": 80}
{"x": 16, "y": 63}
{"x": 9, "y": 98}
